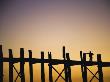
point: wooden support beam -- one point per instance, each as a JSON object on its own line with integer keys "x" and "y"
{"x": 50, "y": 67}
{"x": 57, "y": 61}
{"x": 1, "y": 64}
{"x": 64, "y": 52}
{"x": 10, "y": 66}
{"x": 69, "y": 68}
{"x": 100, "y": 67}
{"x": 85, "y": 68}
{"x": 81, "y": 56}
{"x": 22, "y": 65}
{"x": 65, "y": 66}
{"x": 59, "y": 74}
{"x": 30, "y": 66}
{"x": 42, "y": 68}
{"x": 66, "y": 72}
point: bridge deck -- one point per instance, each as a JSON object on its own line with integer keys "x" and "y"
{"x": 55, "y": 61}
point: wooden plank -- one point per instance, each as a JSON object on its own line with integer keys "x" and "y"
{"x": 57, "y": 61}
{"x": 1, "y": 64}
{"x": 42, "y": 68}
{"x": 10, "y": 66}
{"x": 31, "y": 66}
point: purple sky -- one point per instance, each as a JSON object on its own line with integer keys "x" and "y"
{"x": 49, "y": 24}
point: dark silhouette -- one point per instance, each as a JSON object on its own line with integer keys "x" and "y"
{"x": 42, "y": 67}
{"x": 10, "y": 66}
{"x": 90, "y": 55}
{"x": 51, "y": 62}
{"x": 1, "y": 64}
{"x": 22, "y": 62}
{"x": 50, "y": 67}
{"x": 31, "y": 66}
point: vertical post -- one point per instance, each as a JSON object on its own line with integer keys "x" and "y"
{"x": 42, "y": 68}
{"x": 65, "y": 65}
{"x": 66, "y": 72}
{"x": 69, "y": 68}
{"x": 22, "y": 64}
{"x": 100, "y": 68}
{"x": 64, "y": 52}
{"x": 85, "y": 68}
{"x": 30, "y": 66}
{"x": 10, "y": 66}
{"x": 1, "y": 64}
{"x": 50, "y": 67}
{"x": 81, "y": 56}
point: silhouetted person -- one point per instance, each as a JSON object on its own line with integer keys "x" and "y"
{"x": 90, "y": 56}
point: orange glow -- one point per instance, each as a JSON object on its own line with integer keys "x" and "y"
{"x": 48, "y": 25}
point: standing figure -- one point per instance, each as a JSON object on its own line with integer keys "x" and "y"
{"x": 90, "y": 56}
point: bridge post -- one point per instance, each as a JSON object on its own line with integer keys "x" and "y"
{"x": 50, "y": 67}
{"x": 69, "y": 68}
{"x": 85, "y": 68}
{"x": 64, "y": 52}
{"x": 100, "y": 67}
{"x": 42, "y": 68}
{"x": 82, "y": 70}
{"x": 30, "y": 65}
{"x": 65, "y": 65}
{"x": 10, "y": 66}
{"x": 22, "y": 64}
{"x": 66, "y": 72}
{"x": 1, "y": 64}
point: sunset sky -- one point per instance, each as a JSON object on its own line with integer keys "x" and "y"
{"x": 47, "y": 25}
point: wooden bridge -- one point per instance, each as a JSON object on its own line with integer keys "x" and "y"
{"x": 51, "y": 62}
